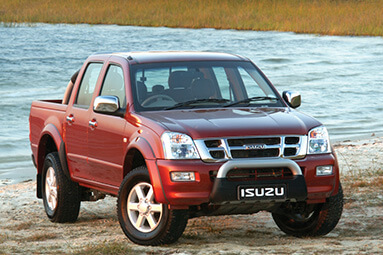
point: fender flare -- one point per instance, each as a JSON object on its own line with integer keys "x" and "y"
{"x": 53, "y": 132}
{"x": 143, "y": 146}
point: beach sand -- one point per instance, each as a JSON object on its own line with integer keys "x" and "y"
{"x": 24, "y": 227}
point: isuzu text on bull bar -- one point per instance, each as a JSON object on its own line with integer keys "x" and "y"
{"x": 177, "y": 135}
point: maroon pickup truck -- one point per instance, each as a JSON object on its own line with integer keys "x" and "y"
{"x": 177, "y": 135}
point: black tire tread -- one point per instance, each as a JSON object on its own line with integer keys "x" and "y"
{"x": 68, "y": 192}
{"x": 329, "y": 216}
{"x": 176, "y": 226}
{"x": 175, "y": 223}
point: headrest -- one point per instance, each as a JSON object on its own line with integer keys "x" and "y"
{"x": 158, "y": 89}
{"x": 202, "y": 88}
{"x": 142, "y": 91}
{"x": 182, "y": 79}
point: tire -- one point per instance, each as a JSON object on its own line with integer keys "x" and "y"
{"x": 313, "y": 220}
{"x": 143, "y": 220}
{"x": 61, "y": 196}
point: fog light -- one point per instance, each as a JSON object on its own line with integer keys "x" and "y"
{"x": 182, "y": 176}
{"x": 324, "y": 170}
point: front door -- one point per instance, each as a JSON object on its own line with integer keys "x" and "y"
{"x": 106, "y": 145}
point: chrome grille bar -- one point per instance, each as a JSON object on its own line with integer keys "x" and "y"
{"x": 290, "y": 147}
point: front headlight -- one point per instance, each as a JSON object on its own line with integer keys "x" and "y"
{"x": 318, "y": 141}
{"x": 178, "y": 146}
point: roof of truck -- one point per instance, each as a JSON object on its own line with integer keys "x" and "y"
{"x": 170, "y": 56}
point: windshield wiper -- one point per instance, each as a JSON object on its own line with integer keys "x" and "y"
{"x": 251, "y": 99}
{"x": 196, "y": 101}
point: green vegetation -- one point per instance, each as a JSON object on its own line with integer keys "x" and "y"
{"x": 336, "y": 17}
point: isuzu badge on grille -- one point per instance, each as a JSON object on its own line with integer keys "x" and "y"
{"x": 255, "y": 146}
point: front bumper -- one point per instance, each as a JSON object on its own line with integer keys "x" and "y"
{"x": 303, "y": 186}
{"x": 225, "y": 190}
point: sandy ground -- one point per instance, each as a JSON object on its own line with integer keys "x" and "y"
{"x": 25, "y": 229}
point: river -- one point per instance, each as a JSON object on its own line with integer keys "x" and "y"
{"x": 340, "y": 78}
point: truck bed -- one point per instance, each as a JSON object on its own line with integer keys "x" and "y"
{"x": 42, "y": 113}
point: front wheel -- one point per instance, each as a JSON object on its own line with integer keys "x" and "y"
{"x": 143, "y": 220}
{"x": 311, "y": 220}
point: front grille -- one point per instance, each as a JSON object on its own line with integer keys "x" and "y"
{"x": 217, "y": 154}
{"x": 291, "y": 140}
{"x": 245, "y": 141}
{"x": 255, "y": 153}
{"x": 252, "y": 147}
{"x": 244, "y": 174}
{"x": 212, "y": 143}
{"x": 290, "y": 152}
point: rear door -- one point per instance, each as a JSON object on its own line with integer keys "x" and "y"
{"x": 76, "y": 124}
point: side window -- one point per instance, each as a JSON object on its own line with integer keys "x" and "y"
{"x": 223, "y": 83}
{"x": 251, "y": 85}
{"x": 88, "y": 83}
{"x": 114, "y": 84}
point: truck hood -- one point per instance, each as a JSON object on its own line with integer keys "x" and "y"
{"x": 231, "y": 122}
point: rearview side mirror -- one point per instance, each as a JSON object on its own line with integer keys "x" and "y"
{"x": 292, "y": 98}
{"x": 107, "y": 105}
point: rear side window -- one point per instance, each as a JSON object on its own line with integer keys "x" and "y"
{"x": 114, "y": 84}
{"x": 223, "y": 82}
{"x": 88, "y": 84}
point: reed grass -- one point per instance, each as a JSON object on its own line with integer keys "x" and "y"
{"x": 333, "y": 17}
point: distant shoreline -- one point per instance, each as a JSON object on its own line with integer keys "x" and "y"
{"x": 353, "y": 18}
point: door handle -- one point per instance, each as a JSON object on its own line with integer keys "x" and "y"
{"x": 70, "y": 118}
{"x": 93, "y": 123}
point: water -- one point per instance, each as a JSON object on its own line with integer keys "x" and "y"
{"x": 340, "y": 78}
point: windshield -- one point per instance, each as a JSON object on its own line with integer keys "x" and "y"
{"x": 184, "y": 85}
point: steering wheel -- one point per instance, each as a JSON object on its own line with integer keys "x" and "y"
{"x": 158, "y": 100}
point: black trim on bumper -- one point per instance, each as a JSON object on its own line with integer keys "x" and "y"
{"x": 227, "y": 191}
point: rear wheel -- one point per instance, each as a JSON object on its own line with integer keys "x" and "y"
{"x": 61, "y": 196}
{"x": 311, "y": 220}
{"x": 143, "y": 220}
